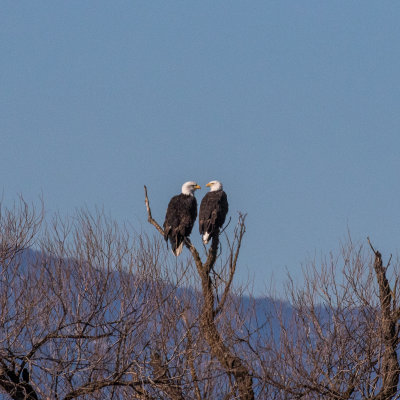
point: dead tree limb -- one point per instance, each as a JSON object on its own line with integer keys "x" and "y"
{"x": 150, "y": 218}
{"x": 390, "y": 362}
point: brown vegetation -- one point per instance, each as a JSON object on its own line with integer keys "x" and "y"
{"x": 98, "y": 312}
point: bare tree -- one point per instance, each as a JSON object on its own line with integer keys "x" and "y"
{"x": 339, "y": 339}
{"x": 214, "y": 296}
{"x": 94, "y": 313}
{"x": 97, "y": 311}
{"x": 18, "y": 228}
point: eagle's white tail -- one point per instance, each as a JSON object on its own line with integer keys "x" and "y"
{"x": 178, "y": 250}
{"x": 206, "y": 238}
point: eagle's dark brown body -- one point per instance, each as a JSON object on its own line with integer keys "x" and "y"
{"x": 179, "y": 220}
{"x": 213, "y": 210}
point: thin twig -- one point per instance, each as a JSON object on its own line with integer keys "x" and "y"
{"x": 223, "y": 228}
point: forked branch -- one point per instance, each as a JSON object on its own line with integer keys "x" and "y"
{"x": 234, "y": 254}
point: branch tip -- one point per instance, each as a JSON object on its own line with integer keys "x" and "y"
{"x": 372, "y": 247}
{"x": 149, "y": 217}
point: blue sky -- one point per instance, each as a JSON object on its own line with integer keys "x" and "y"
{"x": 294, "y": 106}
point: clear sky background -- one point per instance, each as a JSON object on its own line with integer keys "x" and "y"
{"x": 294, "y": 106}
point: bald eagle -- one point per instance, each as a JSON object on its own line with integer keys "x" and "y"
{"x": 180, "y": 217}
{"x": 213, "y": 210}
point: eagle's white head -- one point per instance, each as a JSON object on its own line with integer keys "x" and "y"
{"x": 214, "y": 186}
{"x": 189, "y": 188}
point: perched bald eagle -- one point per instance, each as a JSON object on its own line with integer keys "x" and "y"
{"x": 213, "y": 210}
{"x": 180, "y": 217}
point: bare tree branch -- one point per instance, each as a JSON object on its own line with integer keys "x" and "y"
{"x": 150, "y": 218}
{"x": 238, "y": 236}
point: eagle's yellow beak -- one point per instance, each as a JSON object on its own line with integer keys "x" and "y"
{"x": 208, "y": 184}
{"x": 197, "y": 187}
